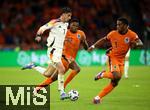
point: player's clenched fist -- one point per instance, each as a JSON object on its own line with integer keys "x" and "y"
{"x": 38, "y": 38}
{"x": 91, "y": 48}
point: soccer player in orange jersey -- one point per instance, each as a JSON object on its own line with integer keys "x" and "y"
{"x": 121, "y": 40}
{"x": 73, "y": 40}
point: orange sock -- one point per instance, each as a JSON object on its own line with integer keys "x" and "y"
{"x": 108, "y": 75}
{"x": 44, "y": 83}
{"x": 106, "y": 90}
{"x": 70, "y": 77}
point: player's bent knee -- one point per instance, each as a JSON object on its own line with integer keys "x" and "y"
{"x": 61, "y": 70}
{"x": 78, "y": 70}
{"x": 47, "y": 74}
{"x": 54, "y": 78}
{"x": 115, "y": 82}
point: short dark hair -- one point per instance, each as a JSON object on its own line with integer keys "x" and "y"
{"x": 123, "y": 20}
{"x": 66, "y": 10}
{"x": 74, "y": 20}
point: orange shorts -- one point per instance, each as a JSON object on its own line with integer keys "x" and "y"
{"x": 116, "y": 65}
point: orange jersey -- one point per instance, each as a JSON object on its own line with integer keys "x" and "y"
{"x": 72, "y": 43}
{"x": 121, "y": 43}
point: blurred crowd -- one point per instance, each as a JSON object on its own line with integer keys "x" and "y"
{"x": 20, "y": 19}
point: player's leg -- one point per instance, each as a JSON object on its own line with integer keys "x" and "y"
{"x": 116, "y": 75}
{"x": 126, "y": 64}
{"x": 51, "y": 67}
{"x": 35, "y": 67}
{"x": 126, "y": 67}
{"x": 52, "y": 74}
{"x": 107, "y": 89}
{"x": 61, "y": 71}
{"x": 106, "y": 74}
{"x": 44, "y": 71}
{"x": 56, "y": 58}
{"x": 102, "y": 93}
{"x": 75, "y": 70}
{"x": 110, "y": 86}
{"x": 47, "y": 81}
{"x": 49, "y": 71}
{"x": 51, "y": 77}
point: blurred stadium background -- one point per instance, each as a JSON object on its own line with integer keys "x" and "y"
{"x": 20, "y": 19}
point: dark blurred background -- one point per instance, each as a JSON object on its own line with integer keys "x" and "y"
{"x": 20, "y": 19}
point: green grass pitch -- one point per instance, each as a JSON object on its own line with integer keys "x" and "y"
{"x": 131, "y": 94}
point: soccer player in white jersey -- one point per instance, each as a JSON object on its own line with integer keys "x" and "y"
{"x": 126, "y": 64}
{"x": 55, "y": 41}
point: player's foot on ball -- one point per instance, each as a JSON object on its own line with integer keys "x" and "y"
{"x": 64, "y": 96}
{"x": 96, "y": 100}
{"x": 99, "y": 76}
{"x": 28, "y": 66}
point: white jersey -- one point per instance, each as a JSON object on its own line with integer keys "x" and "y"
{"x": 56, "y": 38}
{"x": 57, "y": 34}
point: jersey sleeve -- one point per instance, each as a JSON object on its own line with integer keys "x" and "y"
{"x": 51, "y": 23}
{"x": 83, "y": 35}
{"x": 134, "y": 37}
{"x": 108, "y": 37}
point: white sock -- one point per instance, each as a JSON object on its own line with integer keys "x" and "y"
{"x": 126, "y": 67}
{"x": 61, "y": 83}
{"x": 40, "y": 69}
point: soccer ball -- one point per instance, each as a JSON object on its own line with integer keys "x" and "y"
{"x": 74, "y": 95}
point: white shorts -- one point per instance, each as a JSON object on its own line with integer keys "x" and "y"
{"x": 48, "y": 54}
{"x": 56, "y": 55}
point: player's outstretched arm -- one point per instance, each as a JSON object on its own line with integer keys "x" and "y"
{"x": 85, "y": 45}
{"x": 40, "y": 32}
{"x": 43, "y": 28}
{"x": 98, "y": 44}
{"x": 84, "y": 42}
